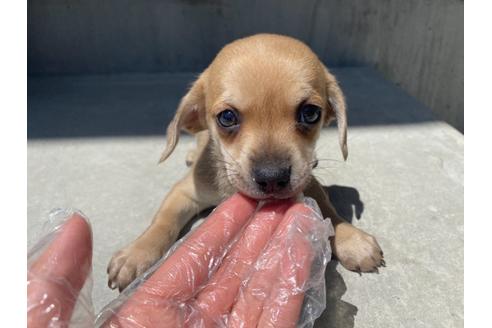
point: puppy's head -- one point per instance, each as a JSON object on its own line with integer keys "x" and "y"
{"x": 264, "y": 100}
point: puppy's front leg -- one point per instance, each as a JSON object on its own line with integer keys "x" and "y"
{"x": 355, "y": 249}
{"x": 180, "y": 205}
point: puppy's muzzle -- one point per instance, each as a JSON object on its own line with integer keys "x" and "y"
{"x": 271, "y": 179}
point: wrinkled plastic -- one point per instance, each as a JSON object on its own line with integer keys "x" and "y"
{"x": 242, "y": 267}
{"x": 245, "y": 266}
{"x": 59, "y": 283}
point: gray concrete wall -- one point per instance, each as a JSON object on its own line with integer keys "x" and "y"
{"x": 416, "y": 44}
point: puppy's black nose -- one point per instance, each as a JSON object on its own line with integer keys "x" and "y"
{"x": 271, "y": 179}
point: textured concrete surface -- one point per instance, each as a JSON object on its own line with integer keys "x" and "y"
{"x": 418, "y": 44}
{"x": 403, "y": 182}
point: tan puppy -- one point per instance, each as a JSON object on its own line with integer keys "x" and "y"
{"x": 257, "y": 112}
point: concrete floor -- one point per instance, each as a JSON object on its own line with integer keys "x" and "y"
{"x": 94, "y": 143}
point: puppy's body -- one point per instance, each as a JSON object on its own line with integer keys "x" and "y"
{"x": 257, "y": 112}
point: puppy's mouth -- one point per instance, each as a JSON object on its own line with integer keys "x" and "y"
{"x": 268, "y": 196}
{"x": 252, "y": 189}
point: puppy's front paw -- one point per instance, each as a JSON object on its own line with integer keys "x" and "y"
{"x": 129, "y": 263}
{"x": 357, "y": 250}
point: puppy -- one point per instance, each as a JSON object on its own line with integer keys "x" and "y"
{"x": 257, "y": 112}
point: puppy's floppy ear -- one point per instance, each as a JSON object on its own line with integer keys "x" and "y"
{"x": 190, "y": 116}
{"x": 337, "y": 109}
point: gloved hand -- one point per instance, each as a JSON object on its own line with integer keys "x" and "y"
{"x": 243, "y": 267}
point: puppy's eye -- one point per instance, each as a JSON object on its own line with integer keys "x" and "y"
{"x": 227, "y": 118}
{"x": 309, "y": 114}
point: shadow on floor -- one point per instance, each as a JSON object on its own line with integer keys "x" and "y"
{"x": 346, "y": 201}
{"x": 338, "y": 313}
{"x": 143, "y": 104}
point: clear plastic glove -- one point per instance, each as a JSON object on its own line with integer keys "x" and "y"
{"x": 245, "y": 266}
{"x": 58, "y": 267}
{"x": 240, "y": 268}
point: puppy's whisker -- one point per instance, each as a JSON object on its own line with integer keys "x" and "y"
{"x": 324, "y": 168}
{"x": 322, "y": 179}
{"x": 228, "y": 172}
{"x": 330, "y": 159}
{"x": 223, "y": 161}
{"x": 325, "y": 160}
{"x": 226, "y": 176}
{"x": 232, "y": 157}
{"x": 222, "y": 166}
